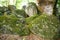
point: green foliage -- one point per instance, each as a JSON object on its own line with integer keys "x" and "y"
{"x": 58, "y": 3}
{"x": 4, "y": 2}
{"x": 18, "y": 2}
{"x": 45, "y": 26}
{"x": 58, "y": 9}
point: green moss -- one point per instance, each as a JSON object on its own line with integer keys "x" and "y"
{"x": 21, "y": 12}
{"x": 10, "y": 24}
{"x": 11, "y": 7}
{"x": 29, "y": 19}
{"x": 45, "y": 26}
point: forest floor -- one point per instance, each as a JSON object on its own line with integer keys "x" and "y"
{"x": 17, "y": 37}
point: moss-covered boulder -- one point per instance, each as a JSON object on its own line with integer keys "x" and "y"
{"x": 10, "y": 24}
{"x": 45, "y": 26}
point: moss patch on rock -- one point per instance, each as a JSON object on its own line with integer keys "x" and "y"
{"x": 45, "y": 26}
{"x": 29, "y": 19}
{"x": 10, "y": 24}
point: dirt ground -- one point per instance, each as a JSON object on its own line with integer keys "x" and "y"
{"x": 17, "y": 37}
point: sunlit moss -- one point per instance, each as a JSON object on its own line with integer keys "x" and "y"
{"x": 45, "y": 26}
{"x": 10, "y": 24}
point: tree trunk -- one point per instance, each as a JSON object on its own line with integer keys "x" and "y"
{"x": 46, "y": 6}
